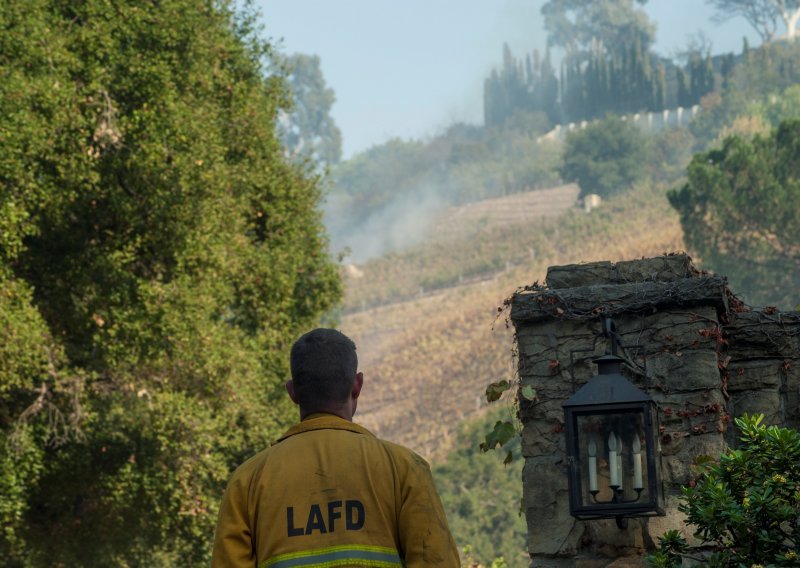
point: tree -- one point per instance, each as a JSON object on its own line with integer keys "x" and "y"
{"x": 307, "y": 128}
{"x": 520, "y": 88}
{"x": 701, "y": 76}
{"x": 763, "y": 15}
{"x": 607, "y": 157}
{"x": 505, "y": 91}
{"x": 740, "y": 212}
{"x": 481, "y": 495}
{"x": 157, "y": 257}
{"x": 746, "y": 505}
{"x": 757, "y": 85}
{"x": 581, "y": 26}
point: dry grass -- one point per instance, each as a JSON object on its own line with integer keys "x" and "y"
{"x": 427, "y": 360}
{"x": 528, "y": 207}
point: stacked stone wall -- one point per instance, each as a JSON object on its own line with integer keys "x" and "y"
{"x": 693, "y": 348}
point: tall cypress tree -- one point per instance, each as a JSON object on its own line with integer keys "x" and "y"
{"x": 684, "y": 96}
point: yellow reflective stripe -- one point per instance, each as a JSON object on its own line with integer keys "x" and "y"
{"x": 333, "y": 556}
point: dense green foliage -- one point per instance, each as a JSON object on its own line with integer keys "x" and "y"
{"x": 740, "y": 211}
{"x": 157, "y": 257}
{"x": 481, "y": 496}
{"x": 606, "y": 157}
{"x": 747, "y": 504}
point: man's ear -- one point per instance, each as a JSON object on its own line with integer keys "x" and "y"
{"x": 357, "y": 384}
{"x": 290, "y": 389}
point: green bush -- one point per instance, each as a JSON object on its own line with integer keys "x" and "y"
{"x": 746, "y": 506}
{"x": 606, "y": 157}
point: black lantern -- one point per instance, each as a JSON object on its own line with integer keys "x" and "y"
{"x": 613, "y": 454}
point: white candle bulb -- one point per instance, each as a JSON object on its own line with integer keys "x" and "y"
{"x": 592, "y": 465}
{"x": 613, "y": 468}
{"x": 637, "y": 463}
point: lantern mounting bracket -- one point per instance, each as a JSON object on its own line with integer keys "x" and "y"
{"x": 614, "y": 346}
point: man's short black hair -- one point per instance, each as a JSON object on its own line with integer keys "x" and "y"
{"x": 324, "y": 366}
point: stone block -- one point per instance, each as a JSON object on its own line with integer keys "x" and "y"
{"x": 552, "y": 531}
{"x": 577, "y": 275}
{"x": 588, "y": 302}
{"x": 754, "y": 374}
{"x": 632, "y": 561}
{"x": 541, "y": 372}
{"x": 675, "y": 331}
{"x": 582, "y": 562}
{"x": 792, "y": 385}
{"x": 543, "y": 438}
{"x": 655, "y": 527}
{"x": 540, "y": 341}
{"x": 544, "y": 410}
{"x": 604, "y": 539}
{"x": 657, "y": 269}
{"x": 555, "y": 339}
{"x": 768, "y": 402}
{"x": 683, "y": 371}
{"x": 547, "y": 562}
{"x": 679, "y": 451}
{"x": 758, "y": 335}
{"x": 698, "y": 412}
{"x": 679, "y": 455}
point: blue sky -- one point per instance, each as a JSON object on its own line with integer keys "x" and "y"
{"x": 410, "y": 68}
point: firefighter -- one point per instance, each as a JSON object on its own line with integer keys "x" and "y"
{"x": 328, "y": 492}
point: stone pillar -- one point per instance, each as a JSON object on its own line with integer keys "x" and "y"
{"x": 674, "y": 317}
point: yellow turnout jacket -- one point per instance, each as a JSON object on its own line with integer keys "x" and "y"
{"x": 330, "y": 494}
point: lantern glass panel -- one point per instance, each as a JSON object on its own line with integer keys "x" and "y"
{"x": 612, "y": 457}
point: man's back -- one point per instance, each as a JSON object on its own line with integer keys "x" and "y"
{"x": 330, "y": 493}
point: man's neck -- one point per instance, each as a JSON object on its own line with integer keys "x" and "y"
{"x": 340, "y": 412}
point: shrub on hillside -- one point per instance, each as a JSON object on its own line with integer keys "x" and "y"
{"x": 606, "y": 157}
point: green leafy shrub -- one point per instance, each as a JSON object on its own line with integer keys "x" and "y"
{"x": 606, "y": 157}
{"x": 747, "y": 505}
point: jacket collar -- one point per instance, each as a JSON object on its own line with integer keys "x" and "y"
{"x": 321, "y": 421}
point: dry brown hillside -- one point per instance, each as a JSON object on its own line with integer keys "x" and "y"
{"x": 528, "y": 207}
{"x": 427, "y": 360}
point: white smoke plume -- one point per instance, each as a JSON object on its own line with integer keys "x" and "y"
{"x": 402, "y": 223}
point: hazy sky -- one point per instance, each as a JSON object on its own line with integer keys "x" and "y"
{"x": 410, "y": 68}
